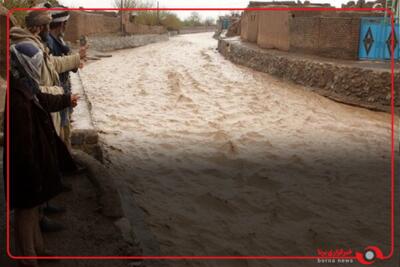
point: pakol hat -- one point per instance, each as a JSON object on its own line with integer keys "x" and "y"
{"x": 37, "y": 18}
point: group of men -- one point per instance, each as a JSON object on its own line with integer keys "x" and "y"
{"x": 39, "y": 124}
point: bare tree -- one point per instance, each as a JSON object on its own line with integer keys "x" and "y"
{"x": 193, "y": 20}
{"x": 209, "y": 21}
{"x": 126, "y": 3}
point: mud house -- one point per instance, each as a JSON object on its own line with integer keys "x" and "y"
{"x": 105, "y": 23}
{"x": 322, "y": 49}
{"x": 332, "y": 34}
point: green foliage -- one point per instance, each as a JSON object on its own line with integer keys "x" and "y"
{"x": 193, "y": 20}
{"x": 209, "y": 21}
{"x": 152, "y": 18}
{"x": 20, "y": 15}
{"x": 171, "y": 21}
{"x": 146, "y": 18}
{"x": 168, "y": 19}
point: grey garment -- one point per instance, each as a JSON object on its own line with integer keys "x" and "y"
{"x": 31, "y": 62}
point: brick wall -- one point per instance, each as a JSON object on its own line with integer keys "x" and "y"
{"x": 336, "y": 37}
{"x": 86, "y": 23}
{"x": 344, "y": 42}
{"x": 332, "y": 34}
{"x": 304, "y": 34}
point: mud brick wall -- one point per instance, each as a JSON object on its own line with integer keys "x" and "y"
{"x": 249, "y": 26}
{"x": 331, "y": 34}
{"x": 244, "y": 26}
{"x": 344, "y": 42}
{"x": 84, "y": 23}
{"x": 273, "y": 30}
{"x": 335, "y": 37}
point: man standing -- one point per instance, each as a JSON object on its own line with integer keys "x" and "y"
{"x": 37, "y": 154}
{"x": 37, "y": 33}
{"x": 59, "y": 48}
{"x": 37, "y": 24}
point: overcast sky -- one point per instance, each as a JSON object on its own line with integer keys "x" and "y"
{"x": 187, "y": 4}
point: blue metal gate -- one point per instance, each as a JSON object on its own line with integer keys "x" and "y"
{"x": 225, "y": 23}
{"x": 375, "y": 39}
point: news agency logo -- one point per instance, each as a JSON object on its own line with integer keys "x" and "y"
{"x": 333, "y": 256}
{"x": 341, "y": 256}
{"x": 370, "y": 255}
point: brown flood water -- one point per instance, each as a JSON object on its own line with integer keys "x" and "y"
{"x": 225, "y": 160}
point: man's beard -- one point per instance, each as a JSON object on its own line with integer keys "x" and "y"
{"x": 44, "y": 36}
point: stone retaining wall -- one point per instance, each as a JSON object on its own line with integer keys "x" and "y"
{"x": 115, "y": 42}
{"x": 349, "y": 82}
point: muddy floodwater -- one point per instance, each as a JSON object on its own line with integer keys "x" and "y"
{"x": 225, "y": 160}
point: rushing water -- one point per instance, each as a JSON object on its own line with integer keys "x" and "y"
{"x": 225, "y": 160}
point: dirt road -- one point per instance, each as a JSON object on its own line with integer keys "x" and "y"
{"x": 224, "y": 160}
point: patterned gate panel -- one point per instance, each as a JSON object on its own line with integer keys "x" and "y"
{"x": 375, "y": 39}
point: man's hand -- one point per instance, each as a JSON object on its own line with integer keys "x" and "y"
{"x": 74, "y": 100}
{"x": 82, "y": 52}
{"x": 81, "y": 64}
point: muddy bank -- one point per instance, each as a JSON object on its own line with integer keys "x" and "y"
{"x": 92, "y": 227}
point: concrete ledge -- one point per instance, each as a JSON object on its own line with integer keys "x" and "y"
{"x": 357, "y": 83}
{"x": 84, "y": 135}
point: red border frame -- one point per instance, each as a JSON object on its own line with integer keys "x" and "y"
{"x": 358, "y": 256}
